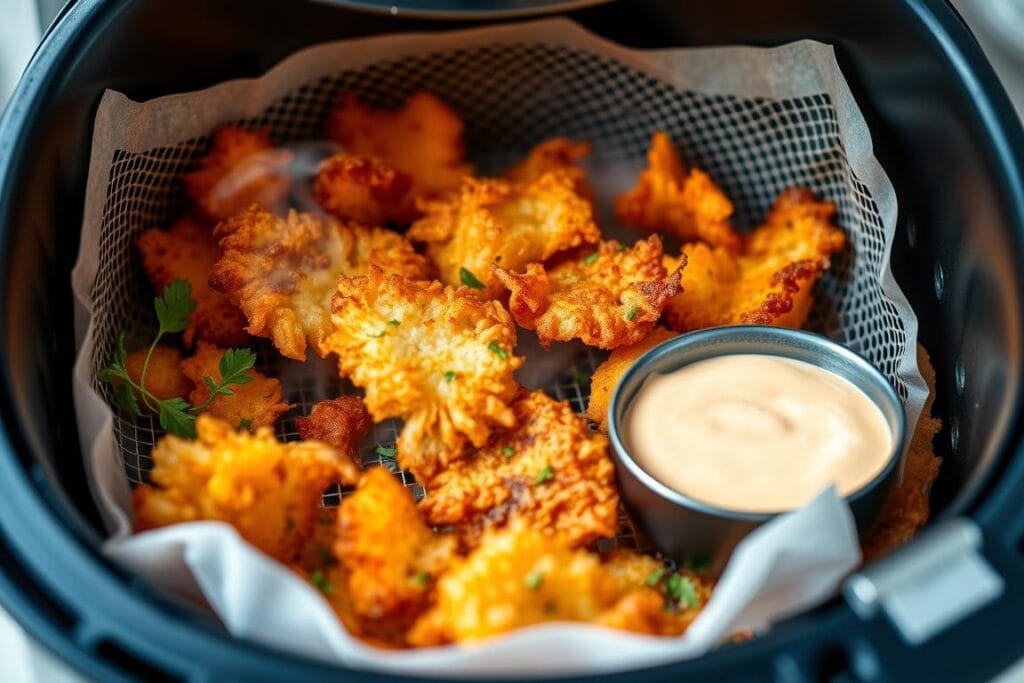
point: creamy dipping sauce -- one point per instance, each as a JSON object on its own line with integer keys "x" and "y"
{"x": 756, "y": 433}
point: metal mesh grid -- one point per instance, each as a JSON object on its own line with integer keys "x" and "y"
{"x": 512, "y": 96}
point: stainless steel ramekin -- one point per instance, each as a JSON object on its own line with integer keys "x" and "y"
{"x": 684, "y": 528}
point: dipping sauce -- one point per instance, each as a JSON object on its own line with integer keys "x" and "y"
{"x": 756, "y": 433}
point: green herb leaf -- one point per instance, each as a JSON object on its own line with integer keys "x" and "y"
{"x": 631, "y": 313}
{"x": 450, "y": 376}
{"x": 175, "y": 306}
{"x": 245, "y": 423}
{"x": 421, "y": 579}
{"x": 534, "y": 581}
{"x": 508, "y": 451}
{"x": 546, "y": 474}
{"x": 110, "y": 374}
{"x": 681, "y": 591}
{"x": 386, "y": 450}
{"x": 654, "y": 577}
{"x": 175, "y": 418}
{"x": 119, "y": 354}
{"x": 701, "y": 565}
{"x": 394, "y": 323}
{"x": 467, "y": 278}
{"x": 234, "y": 365}
{"x": 319, "y": 579}
{"x": 495, "y": 348}
{"x": 378, "y": 335}
{"x": 127, "y": 401}
{"x": 590, "y": 259}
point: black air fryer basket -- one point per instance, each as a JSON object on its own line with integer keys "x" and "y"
{"x": 943, "y": 130}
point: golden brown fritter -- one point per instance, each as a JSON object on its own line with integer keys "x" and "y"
{"x": 364, "y": 190}
{"x": 282, "y": 272}
{"x": 242, "y": 168}
{"x": 268, "y": 491}
{"x": 608, "y": 373}
{"x": 435, "y": 356}
{"x": 164, "y": 378}
{"x": 669, "y": 199}
{"x": 423, "y": 138}
{"x": 187, "y": 251}
{"x": 511, "y": 224}
{"x": 389, "y": 557}
{"x": 907, "y": 509}
{"x": 341, "y": 422}
{"x": 258, "y": 402}
{"x": 769, "y": 281}
{"x": 550, "y": 471}
{"x": 608, "y": 297}
{"x": 551, "y": 155}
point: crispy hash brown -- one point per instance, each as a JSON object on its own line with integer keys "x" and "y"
{"x": 164, "y": 378}
{"x": 423, "y": 139}
{"x": 242, "y": 168}
{"x": 769, "y": 281}
{"x": 257, "y": 402}
{"x": 282, "y": 271}
{"x": 268, "y": 491}
{"x": 435, "y": 356}
{"x": 610, "y": 297}
{"x": 510, "y": 224}
{"x": 340, "y": 422}
{"x": 669, "y": 199}
{"x": 607, "y": 374}
{"x": 187, "y": 251}
{"x": 550, "y": 471}
{"x": 364, "y": 190}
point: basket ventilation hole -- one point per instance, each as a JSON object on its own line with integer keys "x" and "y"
{"x": 960, "y": 375}
{"x": 130, "y": 664}
{"x": 954, "y": 433}
{"x": 940, "y": 281}
{"x": 834, "y": 666}
{"x": 911, "y": 233}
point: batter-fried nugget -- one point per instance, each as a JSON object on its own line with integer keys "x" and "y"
{"x": 550, "y": 471}
{"x": 187, "y": 251}
{"x": 423, "y": 139}
{"x": 907, "y": 509}
{"x": 769, "y": 281}
{"x": 608, "y": 298}
{"x": 164, "y": 378}
{"x": 510, "y": 224}
{"x": 282, "y": 271}
{"x": 365, "y": 190}
{"x": 268, "y": 491}
{"x": 242, "y": 168}
{"x": 257, "y": 402}
{"x": 435, "y": 356}
{"x": 608, "y": 373}
{"x": 551, "y": 155}
{"x": 341, "y": 422}
{"x": 668, "y": 199}
{"x": 389, "y": 556}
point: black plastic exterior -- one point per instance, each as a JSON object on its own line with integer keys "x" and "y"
{"x": 944, "y": 131}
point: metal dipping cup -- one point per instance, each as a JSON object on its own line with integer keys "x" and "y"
{"x": 687, "y": 529}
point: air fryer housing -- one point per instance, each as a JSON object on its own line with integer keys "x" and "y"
{"x": 943, "y": 129}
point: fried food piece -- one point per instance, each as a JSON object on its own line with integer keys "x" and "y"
{"x": 164, "y": 378}
{"x": 550, "y": 471}
{"x": 341, "y": 422}
{"x": 258, "y": 402}
{"x": 435, "y": 356}
{"x": 609, "y": 298}
{"x": 510, "y": 224}
{"x": 268, "y": 491}
{"x": 608, "y": 373}
{"x": 364, "y": 190}
{"x": 422, "y": 139}
{"x": 551, "y": 155}
{"x": 769, "y": 281}
{"x": 282, "y": 271}
{"x": 187, "y": 251}
{"x": 686, "y": 204}
{"x": 389, "y": 557}
{"x": 242, "y": 168}
{"x": 907, "y": 509}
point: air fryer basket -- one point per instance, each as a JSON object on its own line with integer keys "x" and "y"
{"x": 943, "y": 129}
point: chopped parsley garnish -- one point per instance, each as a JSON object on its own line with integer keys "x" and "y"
{"x": 534, "y": 581}
{"x": 546, "y": 474}
{"x": 326, "y": 556}
{"x": 450, "y": 376}
{"x": 386, "y": 451}
{"x": 394, "y": 323}
{"x": 245, "y": 423}
{"x": 495, "y": 348}
{"x": 467, "y": 278}
{"x": 378, "y": 335}
{"x": 654, "y": 577}
{"x": 508, "y": 451}
{"x": 319, "y": 579}
{"x": 631, "y": 313}
{"x": 421, "y": 579}
{"x": 681, "y": 591}
{"x": 590, "y": 259}
{"x": 701, "y": 565}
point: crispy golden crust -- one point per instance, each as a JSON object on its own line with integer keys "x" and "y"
{"x": 164, "y": 378}
{"x": 551, "y": 155}
{"x": 511, "y": 224}
{"x": 550, "y": 471}
{"x": 282, "y": 271}
{"x": 610, "y": 297}
{"x": 423, "y": 139}
{"x": 608, "y": 373}
{"x": 365, "y": 190}
{"x": 435, "y": 356}
{"x": 258, "y": 402}
{"x": 268, "y": 491}
{"x": 769, "y": 281}
{"x": 341, "y": 422}
{"x": 907, "y": 509}
{"x": 668, "y": 199}
{"x": 240, "y": 169}
{"x": 187, "y": 251}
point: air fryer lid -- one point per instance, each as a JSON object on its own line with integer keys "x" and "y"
{"x": 944, "y": 131}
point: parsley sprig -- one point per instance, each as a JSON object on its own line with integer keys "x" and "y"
{"x": 176, "y": 416}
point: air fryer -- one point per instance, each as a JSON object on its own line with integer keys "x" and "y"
{"x": 943, "y": 130}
